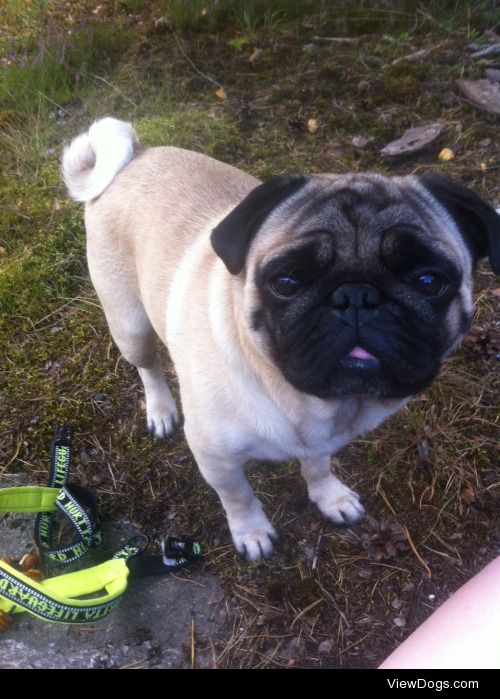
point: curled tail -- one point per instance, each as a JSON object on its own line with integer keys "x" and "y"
{"x": 92, "y": 159}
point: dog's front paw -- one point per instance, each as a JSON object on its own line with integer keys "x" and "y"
{"x": 254, "y": 538}
{"x": 338, "y": 502}
{"x": 162, "y": 418}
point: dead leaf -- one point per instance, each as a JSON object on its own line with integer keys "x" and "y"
{"x": 335, "y": 151}
{"x": 312, "y": 125}
{"x": 256, "y": 55}
{"x": 325, "y": 647}
{"x": 495, "y": 293}
{"x": 467, "y": 494}
{"x": 34, "y": 574}
{"x": 446, "y": 154}
{"x": 5, "y": 621}
{"x": 360, "y": 142}
{"x": 221, "y": 93}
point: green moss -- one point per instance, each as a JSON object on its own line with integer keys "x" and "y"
{"x": 35, "y": 275}
{"x": 213, "y": 135}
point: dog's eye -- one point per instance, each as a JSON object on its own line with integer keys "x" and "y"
{"x": 285, "y": 286}
{"x": 431, "y": 284}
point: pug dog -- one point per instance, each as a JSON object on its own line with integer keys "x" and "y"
{"x": 299, "y": 313}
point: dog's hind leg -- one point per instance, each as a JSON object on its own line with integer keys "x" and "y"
{"x": 136, "y": 339}
{"x": 162, "y": 414}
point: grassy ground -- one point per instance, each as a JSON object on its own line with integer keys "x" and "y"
{"x": 429, "y": 478}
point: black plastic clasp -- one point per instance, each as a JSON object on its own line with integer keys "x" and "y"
{"x": 182, "y": 546}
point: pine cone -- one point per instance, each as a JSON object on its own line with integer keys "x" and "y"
{"x": 383, "y": 540}
{"x": 484, "y": 340}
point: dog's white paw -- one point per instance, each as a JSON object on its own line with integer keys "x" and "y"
{"x": 162, "y": 418}
{"x": 162, "y": 426}
{"x": 254, "y": 537}
{"x": 161, "y": 410}
{"x": 338, "y": 502}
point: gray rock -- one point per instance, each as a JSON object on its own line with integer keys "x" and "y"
{"x": 413, "y": 141}
{"x": 484, "y": 94}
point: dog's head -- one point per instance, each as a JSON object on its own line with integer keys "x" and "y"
{"x": 358, "y": 284}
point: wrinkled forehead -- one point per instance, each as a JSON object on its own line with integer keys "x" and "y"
{"x": 353, "y": 199}
{"x": 357, "y": 210}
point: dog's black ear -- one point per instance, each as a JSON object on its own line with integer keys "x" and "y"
{"x": 232, "y": 237}
{"x": 477, "y": 221}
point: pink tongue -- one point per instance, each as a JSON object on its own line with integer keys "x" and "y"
{"x": 360, "y": 353}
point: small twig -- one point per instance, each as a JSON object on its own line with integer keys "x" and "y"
{"x": 112, "y": 474}
{"x": 418, "y": 55}
{"x": 331, "y": 598}
{"x": 45, "y": 97}
{"x": 407, "y": 535}
{"x": 193, "y": 657}
{"x": 193, "y": 66}
{"x": 57, "y": 310}
{"x": 336, "y": 39}
{"x": 116, "y": 89}
{"x": 136, "y": 665}
{"x": 357, "y": 642}
{"x": 307, "y": 609}
{"x": 493, "y": 50}
{"x": 315, "y": 559}
{"x": 187, "y": 580}
{"x": 214, "y": 654}
{"x": 16, "y": 454}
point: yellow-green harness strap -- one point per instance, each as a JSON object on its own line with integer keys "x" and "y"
{"x": 30, "y": 498}
{"x": 54, "y": 599}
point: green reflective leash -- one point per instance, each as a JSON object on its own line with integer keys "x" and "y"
{"x": 56, "y": 599}
{"x": 72, "y": 501}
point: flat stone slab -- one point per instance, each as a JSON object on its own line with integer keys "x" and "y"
{"x": 493, "y": 73}
{"x": 413, "y": 141}
{"x": 484, "y": 94}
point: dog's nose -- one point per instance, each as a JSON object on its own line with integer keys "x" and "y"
{"x": 356, "y": 295}
{"x": 349, "y": 299}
